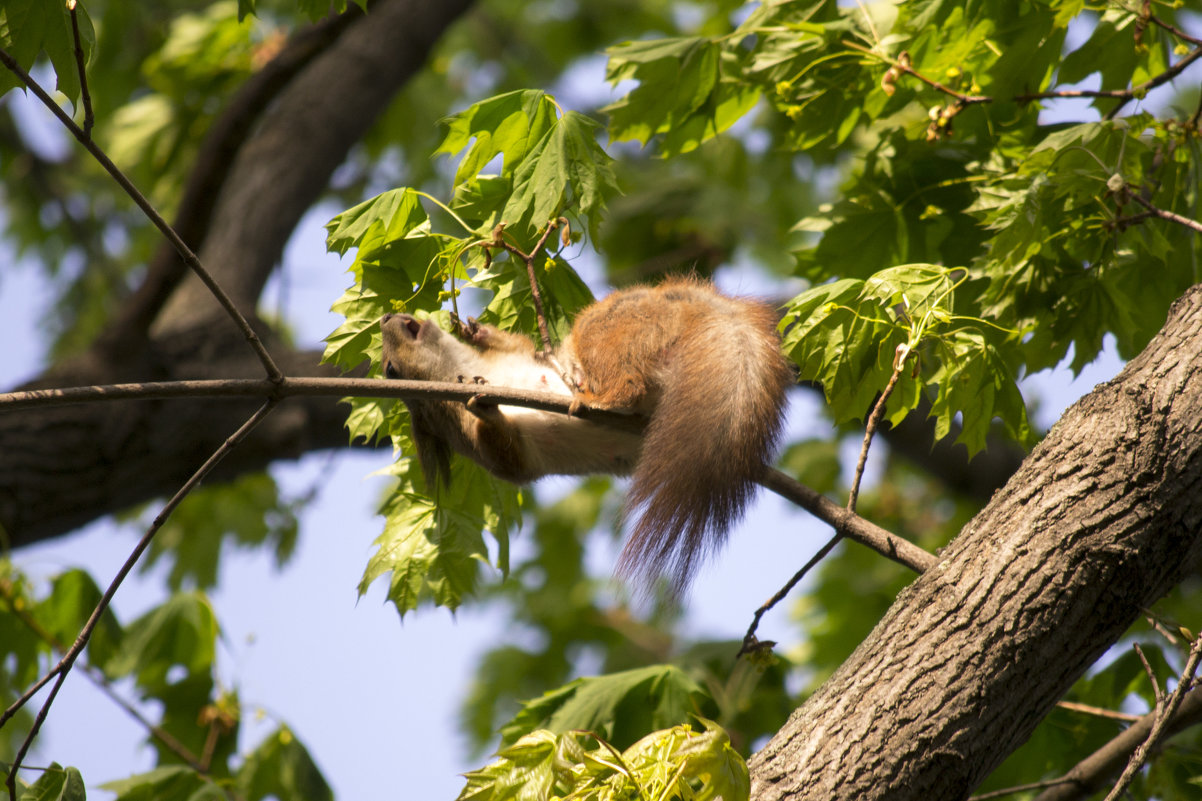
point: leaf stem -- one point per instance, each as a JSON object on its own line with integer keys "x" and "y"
{"x": 528, "y": 260}
{"x": 445, "y": 208}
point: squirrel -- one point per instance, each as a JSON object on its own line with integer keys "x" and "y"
{"x": 705, "y": 370}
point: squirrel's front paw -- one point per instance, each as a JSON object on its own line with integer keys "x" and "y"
{"x": 471, "y": 331}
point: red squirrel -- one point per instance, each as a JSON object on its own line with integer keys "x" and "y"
{"x": 706, "y": 370}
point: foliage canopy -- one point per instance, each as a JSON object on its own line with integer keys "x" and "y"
{"x": 924, "y": 183}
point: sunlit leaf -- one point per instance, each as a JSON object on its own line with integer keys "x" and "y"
{"x": 620, "y": 706}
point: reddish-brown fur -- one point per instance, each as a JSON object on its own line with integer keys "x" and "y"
{"x": 705, "y": 369}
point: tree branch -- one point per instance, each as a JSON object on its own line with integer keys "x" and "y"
{"x": 901, "y": 64}
{"x": 89, "y": 118}
{"x": 313, "y": 387}
{"x": 1167, "y": 215}
{"x": 848, "y": 523}
{"x": 843, "y": 520}
{"x": 1165, "y": 711}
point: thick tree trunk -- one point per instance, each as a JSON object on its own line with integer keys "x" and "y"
{"x": 1102, "y": 519}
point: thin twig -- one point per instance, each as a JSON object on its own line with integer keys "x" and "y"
{"x": 1172, "y": 638}
{"x": 1167, "y": 215}
{"x": 1091, "y": 774}
{"x": 1164, "y": 713}
{"x": 1123, "y": 223}
{"x": 848, "y": 523}
{"x": 903, "y": 65}
{"x": 190, "y": 258}
{"x": 750, "y": 642}
{"x": 98, "y": 679}
{"x": 1097, "y": 711}
{"x": 874, "y": 420}
{"x": 1019, "y": 788}
{"x": 1180, "y": 34}
{"x": 1157, "y": 693}
{"x": 96, "y": 676}
{"x": 63, "y": 668}
{"x": 1164, "y": 77}
{"x": 1121, "y": 95}
{"x": 89, "y": 118}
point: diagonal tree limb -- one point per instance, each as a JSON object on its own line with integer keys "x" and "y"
{"x": 209, "y": 174}
{"x": 285, "y": 166}
{"x": 1102, "y": 519}
{"x": 66, "y": 467}
{"x": 210, "y": 283}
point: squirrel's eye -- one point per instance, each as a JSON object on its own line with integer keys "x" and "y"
{"x": 390, "y": 371}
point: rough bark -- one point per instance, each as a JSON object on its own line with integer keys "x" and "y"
{"x": 1102, "y": 519}
{"x": 68, "y": 466}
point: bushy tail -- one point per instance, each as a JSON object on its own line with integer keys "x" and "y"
{"x": 717, "y": 421}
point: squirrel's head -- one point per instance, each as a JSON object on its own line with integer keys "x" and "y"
{"x": 415, "y": 349}
{"x": 419, "y": 350}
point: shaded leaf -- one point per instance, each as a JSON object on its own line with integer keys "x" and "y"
{"x": 281, "y": 768}
{"x": 166, "y": 784}
{"x": 182, "y": 631}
